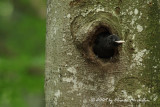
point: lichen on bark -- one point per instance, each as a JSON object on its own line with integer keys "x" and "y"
{"x": 151, "y": 72}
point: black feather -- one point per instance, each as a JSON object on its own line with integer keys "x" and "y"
{"x": 105, "y": 45}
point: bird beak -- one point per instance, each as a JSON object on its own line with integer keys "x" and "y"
{"x": 120, "y": 41}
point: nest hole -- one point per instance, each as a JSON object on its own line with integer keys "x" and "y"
{"x": 102, "y": 32}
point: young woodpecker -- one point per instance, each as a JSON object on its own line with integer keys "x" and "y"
{"x": 105, "y": 45}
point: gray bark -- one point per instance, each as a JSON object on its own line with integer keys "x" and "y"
{"x": 75, "y": 77}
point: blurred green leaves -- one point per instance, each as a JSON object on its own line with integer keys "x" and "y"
{"x": 22, "y": 48}
{"x": 6, "y": 9}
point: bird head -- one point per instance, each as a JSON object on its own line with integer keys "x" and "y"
{"x": 105, "y": 45}
{"x": 114, "y": 41}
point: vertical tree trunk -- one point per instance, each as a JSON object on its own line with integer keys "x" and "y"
{"x": 75, "y": 77}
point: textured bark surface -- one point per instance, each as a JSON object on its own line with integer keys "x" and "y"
{"x": 75, "y": 77}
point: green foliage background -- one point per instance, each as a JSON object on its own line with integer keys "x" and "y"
{"x": 22, "y": 53}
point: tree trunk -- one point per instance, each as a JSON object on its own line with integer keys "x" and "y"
{"x": 76, "y": 77}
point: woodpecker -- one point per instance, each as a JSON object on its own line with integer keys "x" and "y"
{"x": 105, "y": 45}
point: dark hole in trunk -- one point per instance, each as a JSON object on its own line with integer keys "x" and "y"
{"x": 99, "y": 45}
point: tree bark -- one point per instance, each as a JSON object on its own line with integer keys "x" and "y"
{"x": 75, "y": 77}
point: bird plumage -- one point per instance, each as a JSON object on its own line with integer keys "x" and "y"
{"x": 105, "y": 45}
